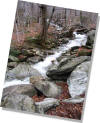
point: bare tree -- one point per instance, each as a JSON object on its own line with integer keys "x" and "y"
{"x": 43, "y": 34}
{"x": 65, "y": 18}
{"x": 81, "y": 17}
{"x": 75, "y": 12}
{"x": 51, "y": 17}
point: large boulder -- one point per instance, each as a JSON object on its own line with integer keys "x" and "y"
{"x": 65, "y": 67}
{"x": 26, "y": 89}
{"x": 47, "y": 103}
{"x": 21, "y": 71}
{"x": 90, "y": 38}
{"x": 77, "y": 82}
{"x": 18, "y": 102}
{"x": 49, "y": 89}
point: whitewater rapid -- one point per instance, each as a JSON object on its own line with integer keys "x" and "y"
{"x": 42, "y": 67}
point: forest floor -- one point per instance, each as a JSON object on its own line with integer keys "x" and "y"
{"x": 30, "y": 32}
{"x": 28, "y": 51}
{"x": 65, "y": 110}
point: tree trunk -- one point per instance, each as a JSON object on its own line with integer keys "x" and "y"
{"x": 43, "y": 34}
{"x": 81, "y": 17}
{"x": 51, "y": 17}
{"x": 65, "y": 19}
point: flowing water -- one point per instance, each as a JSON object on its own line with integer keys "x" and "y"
{"x": 42, "y": 67}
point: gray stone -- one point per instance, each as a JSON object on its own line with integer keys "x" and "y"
{"x": 74, "y": 100}
{"x": 27, "y": 89}
{"x": 18, "y": 102}
{"x": 77, "y": 82}
{"x": 47, "y": 103}
{"x": 90, "y": 38}
{"x": 48, "y": 88}
{"x": 21, "y": 71}
{"x": 64, "y": 40}
{"x": 34, "y": 59}
{"x": 65, "y": 67}
{"x": 13, "y": 59}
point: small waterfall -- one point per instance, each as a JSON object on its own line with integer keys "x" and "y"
{"x": 42, "y": 67}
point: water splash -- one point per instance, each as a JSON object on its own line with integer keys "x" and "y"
{"x": 42, "y": 67}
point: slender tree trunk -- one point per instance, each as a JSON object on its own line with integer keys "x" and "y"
{"x": 44, "y": 24}
{"x": 75, "y": 12}
{"x": 17, "y": 24}
{"x": 17, "y": 34}
{"x": 65, "y": 19}
{"x": 81, "y": 17}
{"x": 51, "y": 17}
{"x": 38, "y": 16}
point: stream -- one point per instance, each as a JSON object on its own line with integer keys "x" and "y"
{"x": 42, "y": 67}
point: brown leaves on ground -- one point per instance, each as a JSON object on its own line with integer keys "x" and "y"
{"x": 67, "y": 110}
{"x": 38, "y": 98}
{"x": 65, "y": 92}
{"x": 84, "y": 51}
{"x": 25, "y": 32}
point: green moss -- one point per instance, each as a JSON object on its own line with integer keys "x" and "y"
{"x": 14, "y": 52}
{"x": 35, "y": 39}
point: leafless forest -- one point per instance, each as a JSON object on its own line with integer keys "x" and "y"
{"x": 34, "y": 20}
{"x": 49, "y": 60}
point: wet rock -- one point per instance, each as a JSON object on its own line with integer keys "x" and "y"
{"x": 27, "y": 89}
{"x": 77, "y": 82}
{"x": 75, "y": 48}
{"x": 65, "y": 67}
{"x": 49, "y": 52}
{"x": 49, "y": 89}
{"x": 68, "y": 33}
{"x": 34, "y": 59}
{"x": 13, "y": 59}
{"x": 64, "y": 55}
{"x": 64, "y": 40}
{"x": 81, "y": 30}
{"x": 18, "y": 102}
{"x": 47, "y": 103}
{"x": 21, "y": 71}
{"x": 64, "y": 61}
{"x": 90, "y": 38}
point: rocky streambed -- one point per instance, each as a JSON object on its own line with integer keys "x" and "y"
{"x": 55, "y": 85}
